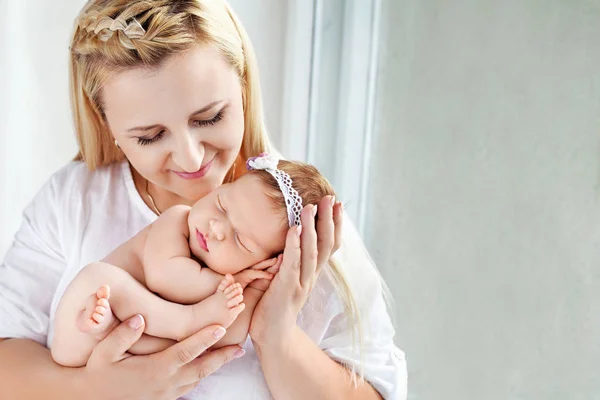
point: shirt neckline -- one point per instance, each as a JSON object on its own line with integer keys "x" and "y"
{"x": 133, "y": 193}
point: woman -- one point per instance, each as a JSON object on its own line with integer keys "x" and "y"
{"x": 167, "y": 107}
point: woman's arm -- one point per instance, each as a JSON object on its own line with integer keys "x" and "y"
{"x": 24, "y": 361}
{"x": 27, "y": 370}
{"x": 296, "y": 368}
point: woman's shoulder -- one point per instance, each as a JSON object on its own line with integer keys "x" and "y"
{"x": 75, "y": 175}
{"x": 75, "y": 188}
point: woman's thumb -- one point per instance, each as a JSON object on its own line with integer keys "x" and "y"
{"x": 116, "y": 344}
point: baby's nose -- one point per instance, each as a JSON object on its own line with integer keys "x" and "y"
{"x": 216, "y": 230}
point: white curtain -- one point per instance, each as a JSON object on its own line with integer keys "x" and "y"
{"x": 36, "y": 135}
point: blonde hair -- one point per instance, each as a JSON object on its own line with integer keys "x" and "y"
{"x": 312, "y": 186}
{"x": 115, "y": 35}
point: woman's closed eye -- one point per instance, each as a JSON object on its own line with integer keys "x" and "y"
{"x": 144, "y": 140}
{"x": 212, "y": 121}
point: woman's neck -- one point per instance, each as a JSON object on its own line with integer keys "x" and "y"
{"x": 155, "y": 197}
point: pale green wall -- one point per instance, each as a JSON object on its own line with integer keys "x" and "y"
{"x": 485, "y": 195}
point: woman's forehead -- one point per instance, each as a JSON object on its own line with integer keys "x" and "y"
{"x": 185, "y": 83}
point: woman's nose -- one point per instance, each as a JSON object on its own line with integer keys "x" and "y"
{"x": 189, "y": 153}
{"x": 216, "y": 229}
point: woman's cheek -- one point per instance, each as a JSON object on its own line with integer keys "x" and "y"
{"x": 229, "y": 137}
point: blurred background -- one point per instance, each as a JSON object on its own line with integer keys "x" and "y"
{"x": 462, "y": 136}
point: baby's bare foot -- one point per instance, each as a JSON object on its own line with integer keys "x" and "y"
{"x": 232, "y": 291}
{"x": 97, "y": 319}
{"x": 221, "y": 308}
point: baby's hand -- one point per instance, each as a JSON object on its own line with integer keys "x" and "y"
{"x": 273, "y": 268}
{"x": 257, "y": 272}
{"x": 249, "y": 275}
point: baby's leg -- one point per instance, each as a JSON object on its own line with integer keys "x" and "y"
{"x": 74, "y": 337}
{"x": 231, "y": 290}
{"x": 72, "y": 347}
{"x": 98, "y": 320}
{"x": 163, "y": 318}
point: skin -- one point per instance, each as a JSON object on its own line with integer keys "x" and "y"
{"x": 168, "y": 98}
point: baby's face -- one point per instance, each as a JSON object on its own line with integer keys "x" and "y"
{"x": 236, "y": 226}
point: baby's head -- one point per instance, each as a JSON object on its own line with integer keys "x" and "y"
{"x": 242, "y": 223}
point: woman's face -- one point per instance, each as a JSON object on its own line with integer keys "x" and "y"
{"x": 180, "y": 125}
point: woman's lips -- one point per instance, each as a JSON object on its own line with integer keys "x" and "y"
{"x": 198, "y": 174}
{"x": 201, "y": 240}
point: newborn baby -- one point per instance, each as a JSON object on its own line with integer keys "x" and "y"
{"x": 190, "y": 267}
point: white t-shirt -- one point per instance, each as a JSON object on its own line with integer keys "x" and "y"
{"x": 80, "y": 216}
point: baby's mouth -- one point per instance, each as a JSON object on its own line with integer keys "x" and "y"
{"x": 202, "y": 241}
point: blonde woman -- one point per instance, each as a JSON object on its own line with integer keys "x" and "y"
{"x": 166, "y": 104}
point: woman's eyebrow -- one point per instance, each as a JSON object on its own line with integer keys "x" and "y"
{"x": 143, "y": 128}
{"x": 208, "y": 107}
{"x": 200, "y": 111}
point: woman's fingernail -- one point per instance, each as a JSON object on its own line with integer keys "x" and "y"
{"x": 219, "y": 332}
{"x": 136, "y": 322}
{"x": 239, "y": 353}
{"x": 314, "y": 210}
{"x": 332, "y": 200}
{"x": 299, "y": 230}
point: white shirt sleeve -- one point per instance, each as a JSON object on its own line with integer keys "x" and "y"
{"x": 31, "y": 270}
{"x": 384, "y": 365}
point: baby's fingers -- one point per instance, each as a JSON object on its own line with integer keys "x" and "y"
{"x": 254, "y": 274}
{"x": 265, "y": 264}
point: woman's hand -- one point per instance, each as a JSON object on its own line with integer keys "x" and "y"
{"x": 307, "y": 250}
{"x": 112, "y": 373}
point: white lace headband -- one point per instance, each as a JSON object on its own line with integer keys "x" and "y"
{"x": 293, "y": 201}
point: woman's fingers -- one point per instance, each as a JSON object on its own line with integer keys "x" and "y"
{"x": 189, "y": 349}
{"x": 325, "y": 230}
{"x": 308, "y": 246}
{"x": 289, "y": 271}
{"x": 338, "y": 220}
{"x": 208, "y": 363}
{"x": 114, "y": 347}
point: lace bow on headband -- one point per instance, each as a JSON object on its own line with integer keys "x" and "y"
{"x": 293, "y": 201}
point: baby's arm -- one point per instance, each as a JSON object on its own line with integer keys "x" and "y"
{"x": 168, "y": 267}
